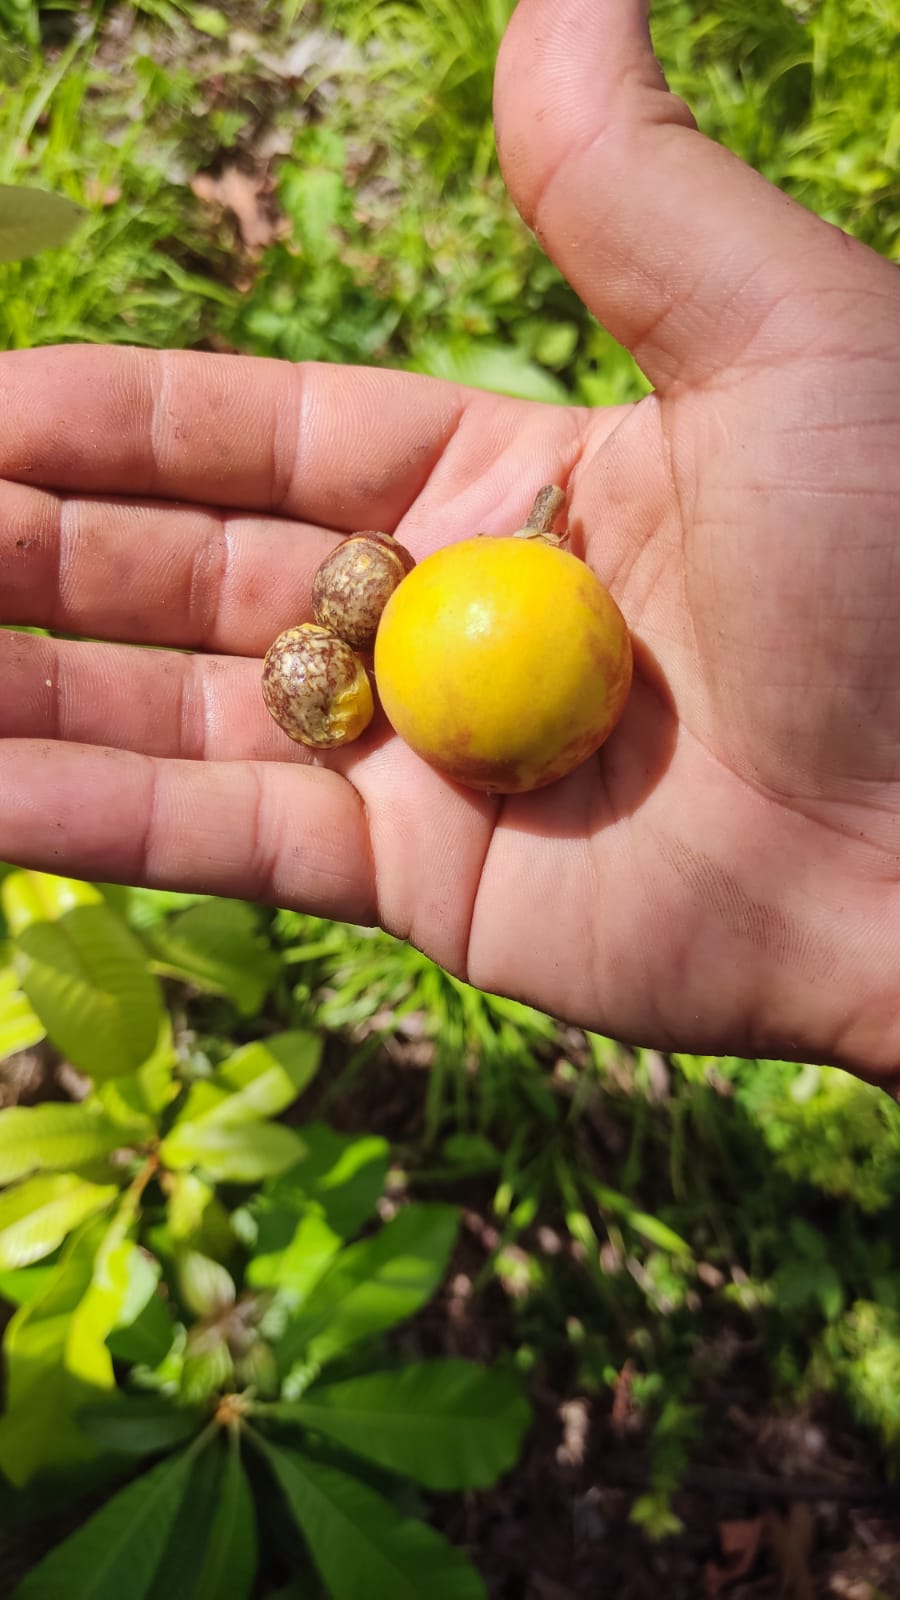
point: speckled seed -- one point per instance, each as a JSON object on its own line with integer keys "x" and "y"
{"x": 353, "y": 585}
{"x": 317, "y": 690}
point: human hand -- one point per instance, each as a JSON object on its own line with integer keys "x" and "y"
{"x": 723, "y": 875}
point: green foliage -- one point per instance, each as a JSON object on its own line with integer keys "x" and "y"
{"x": 201, "y": 1264}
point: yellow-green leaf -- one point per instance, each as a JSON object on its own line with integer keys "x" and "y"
{"x": 232, "y": 1154}
{"x": 37, "y": 1215}
{"x": 29, "y": 897}
{"x": 55, "y": 1137}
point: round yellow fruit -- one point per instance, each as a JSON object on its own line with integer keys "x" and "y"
{"x": 503, "y": 662}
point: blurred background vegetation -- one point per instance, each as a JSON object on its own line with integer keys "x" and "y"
{"x": 695, "y": 1263}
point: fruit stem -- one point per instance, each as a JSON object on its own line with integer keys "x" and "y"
{"x": 547, "y": 502}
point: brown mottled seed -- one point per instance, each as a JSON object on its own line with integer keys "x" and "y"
{"x": 314, "y": 686}
{"x": 353, "y": 585}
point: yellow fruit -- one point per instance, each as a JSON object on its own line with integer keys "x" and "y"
{"x": 503, "y": 662}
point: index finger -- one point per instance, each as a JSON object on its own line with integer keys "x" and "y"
{"x": 341, "y": 447}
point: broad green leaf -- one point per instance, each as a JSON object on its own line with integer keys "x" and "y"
{"x": 183, "y": 1556}
{"x": 32, "y": 220}
{"x": 267, "y": 1076}
{"x": 447, "y": 1424}
{"x": 478, "y": 364}
{"x": 118, "y": 1550}
{"x": 49, "y": 1137}
{"x": 20, "y": 1028}
{"x": 217, "y": 945}
{"x": 232, "y": 1154}
{"x": 360, "y": 1544}
{"x": 87, "y": 978}
{"x": 231, "y": 1549}
{"x": 140, "y": 1425}
{"x": 29, "y": 897}
{"x": 38, "y": 1214}
{"x": 372, "y": 1285}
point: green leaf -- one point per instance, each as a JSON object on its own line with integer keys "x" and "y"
{"x": 373, "y": 1284}
{"x": 56, "y": 1362}
{"x": 22, "y": 1284}
{"x": 48, "y": 1137}
{"x": 296, "y": 1269}
{"x": 179, "y": 1568}
{"x": 32, "y": 220}
{"x": 140, "y": 1425}
{"x": 267, "y": 1076}
{"x": 231, "y": 1549}
{"x": 38, "y": 1214}
{"x": 19, "y": 1026}
{"x": 360, "y": 1544}
{"x": 232, "y": 1154}
{"x": 217, "y": 946}
{"x": 504, "y": 369}
{"x": 87, "y": 978}
{"x": 56, "y": 1353}
{"x": 302, "y": 1218}
{"x": 118, "y": 1550}
{"x": 148, "y": 1339}
{"x": 447, "y": 1424}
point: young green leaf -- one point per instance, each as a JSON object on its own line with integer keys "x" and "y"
{"x": 360, "y": 1544}
{"x": 48, "y": 1137}
{"x": 372, "y": 1285}
{"x": 206, "y": 1287}
{"x": 19, "y": 1026}
{"x": 227, "y": 1154}
{"x": 447, "y": 1424}
{"x": 87, "y": 978}
{"x": 38, "y": 1214}
{"x": 32, "y": 220}
{"x": 117, "y": 1551}
{"x": 231, "y": 1549}
{"x": 140, "y": 1424}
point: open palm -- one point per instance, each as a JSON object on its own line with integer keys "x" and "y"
{"x": 724, "y": 874}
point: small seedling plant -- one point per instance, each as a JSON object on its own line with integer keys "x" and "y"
{"x": 203, "y": 1291}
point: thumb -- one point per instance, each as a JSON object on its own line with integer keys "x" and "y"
{"x": 684, "y": 253}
